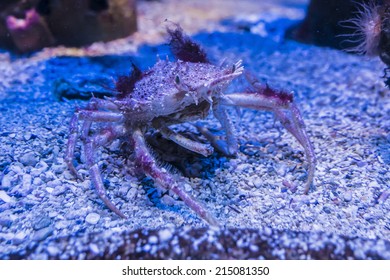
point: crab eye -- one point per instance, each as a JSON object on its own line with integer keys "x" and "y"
{"x": 177, "y": 80}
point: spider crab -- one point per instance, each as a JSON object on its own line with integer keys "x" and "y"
{"x": 171, "y": 93}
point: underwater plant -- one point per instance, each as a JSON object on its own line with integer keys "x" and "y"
{"x": 184, "y": 90}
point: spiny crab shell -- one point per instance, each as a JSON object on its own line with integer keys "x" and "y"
{"x": 169, "y": 87}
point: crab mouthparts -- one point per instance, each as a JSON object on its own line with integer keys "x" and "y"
{"x": 211, "y": 87}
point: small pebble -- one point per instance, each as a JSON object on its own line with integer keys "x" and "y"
{"x": 187, "y": 188}
{"x": 58, "y": 169}
{"x": 42, "y": 234}
{"x": 168, "y": 200}
{"x": 27, "y": 135}
{"x": 327, "y": 210}
{"x": 94, "y": 248}
{"x": 42, "y": 223}
{"x": 360, "y": 163}
{"x": 37, "y": 181}
{"x": 347, "y": 196}
{"x": 164, "y": 235}
{"x": 92, "y": 218}
{"x": 29, "y": 159}
{"x": 132, "y": 193}
{"x": 384, "y": 196}
{"x": 53, "y": 214}
{"x": 6, "y": 181}
{"x": 59, "y": 190}
{"x": 146, "y": 213}
{"x": 39, "y": 168}
{"x": 281, "y": 170}
{"x": 26, "y": 181}
{"x": 19, "y": 238}
{"x": 257, "y": 182}
{"x": 54, "y": 184}
{"x": 53, "y": 251}
{"x": 242, "y": 167}
{"x": 5, "y": 197}
{"x": 373, "y": 184}
{"x": 291, "y": 186}
{"x": 153, "y": 239}
{"x": 253, "y": 248}
{"x": 17, "y": 169}
{"x": 62, "y": 224}
{"x": 5, "y": 222}
{"x": 335, "y": 171}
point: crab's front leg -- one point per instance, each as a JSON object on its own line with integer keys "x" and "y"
{"x": 296, "y": 127}
{"x": 88, "y": 115}
{"x": 230, "y": 147}
{"x": 265, "y": 98}
{"x": 103, "y": 138}
{"x": 163, "y": 178}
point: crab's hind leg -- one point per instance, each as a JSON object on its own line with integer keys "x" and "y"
{"x": 265, "y": 98}
{"x": 164, "y": 179}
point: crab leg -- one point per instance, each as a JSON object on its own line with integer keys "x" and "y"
{"x": 189, "y": 144}
{"x": 164, "y": 179}
{"x": 297, "y": 128}
{"x": 219, "y": 144}
{"x": 97, "y": 103}
{"x": 102, "y": 139}
{"x": 267, "y": 99}
{"x": 88, "y": 117}
{"x": 227, "y": 125}
{"x": 72, "y": 140}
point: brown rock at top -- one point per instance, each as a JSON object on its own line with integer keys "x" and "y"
{"x": 31, "y": 25}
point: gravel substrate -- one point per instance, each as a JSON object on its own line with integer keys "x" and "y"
{"x": 209, "y": 243}
{"x": 46, "y": 213}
